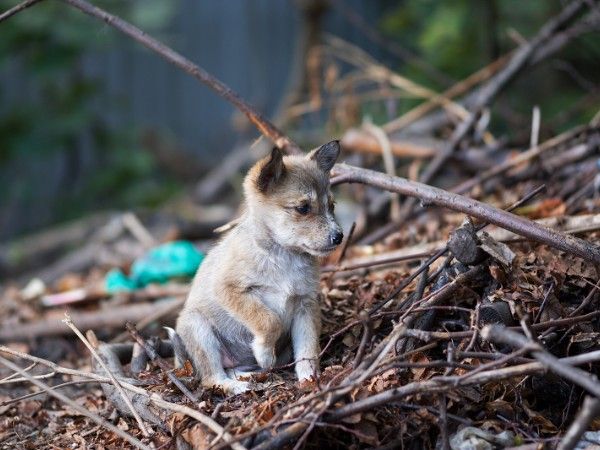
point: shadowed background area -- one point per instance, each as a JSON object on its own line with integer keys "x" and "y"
{"x": 89, "y": 120}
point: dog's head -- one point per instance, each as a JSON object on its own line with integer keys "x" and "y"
{"x": 291, "y": 196}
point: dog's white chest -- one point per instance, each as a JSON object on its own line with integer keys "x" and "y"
{"x": 286, "y": 279}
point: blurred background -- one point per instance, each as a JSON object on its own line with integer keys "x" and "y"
{"x": 116, "y": 168}
{"x": 90, "y": 121}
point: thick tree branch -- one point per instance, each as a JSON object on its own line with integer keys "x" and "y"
{"x": 432, "y": 195}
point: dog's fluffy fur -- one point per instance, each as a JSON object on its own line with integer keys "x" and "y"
{"x": 257, "y": 289}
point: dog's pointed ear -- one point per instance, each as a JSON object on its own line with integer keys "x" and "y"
{"x": 271, "y": 171}
{"x": 326, "y": 155}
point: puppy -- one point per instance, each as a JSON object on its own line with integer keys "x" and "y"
{"x": 257, "y": 290}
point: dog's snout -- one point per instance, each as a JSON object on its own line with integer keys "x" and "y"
{"x": 336, "y": 237}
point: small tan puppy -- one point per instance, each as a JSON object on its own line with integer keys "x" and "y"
{"x": 257, "y": 289}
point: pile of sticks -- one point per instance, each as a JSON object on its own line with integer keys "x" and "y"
{"x": 396, "y": 364}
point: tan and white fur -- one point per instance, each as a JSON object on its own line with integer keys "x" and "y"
{"x": 256, "y": 292}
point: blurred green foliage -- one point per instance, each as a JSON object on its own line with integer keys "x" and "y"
{"x": 460, "y": 36}
{"x": 58, "y": 106}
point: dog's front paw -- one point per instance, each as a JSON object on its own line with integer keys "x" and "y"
{"x": 231, "y": 386}
{"x": 306, "y": 369}
{"x": 264, "y": 354}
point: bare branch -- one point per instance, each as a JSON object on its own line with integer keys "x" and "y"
{"x": 263, "y": 125}
{"x": 499, "y": 333}
{"x": 474, "y": 208}
{"x": 80, "y": 409}
{"x": 17, "y": 9}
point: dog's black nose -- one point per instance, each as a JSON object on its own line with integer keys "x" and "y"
{"x": 336, "y": 237}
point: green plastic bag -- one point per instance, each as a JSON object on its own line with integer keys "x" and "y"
{"x": 177, "y": 259}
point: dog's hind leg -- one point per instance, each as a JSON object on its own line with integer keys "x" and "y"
{"x": 204, "y": 349}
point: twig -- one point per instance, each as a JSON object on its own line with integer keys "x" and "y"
{"x": 535, "y": 127}
{"x": 346, "y": 243}
{"x": 34, "y": 394}
{"x": 388, "y": 162}
{"x": 138, "y": 230}
{"x": 424, "y": 266}
{"x": 154, "y": 398}
{"x": 459, "y": 88}
{"x": 15, "y": 375}
{"x": 519, "y": 159}
{"x": 152, "y": 317}
{"x": 356, "y": 20}
{"x": 352, "y": 54}
{"x": 67, "y": 320}
{"x": 498, "y": 333}
{"x": 366, "y": 337}
{"x": 17, "y": 9}
{"x": 12, "y": 380}
{"x": 155, "y": 357}
{"x": 443, "y": 409}
{"x": 588, "y": 412}
{"x": 374, "y": 261}
{"x": 544, "y": 302}
{"x": 77, "y": 407}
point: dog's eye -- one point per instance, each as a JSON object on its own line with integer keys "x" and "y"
{"x": 303, "y": 209}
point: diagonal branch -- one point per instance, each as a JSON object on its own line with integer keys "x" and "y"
{"x": 432, "y": 195}
{"x": 17, "y": 9}
{"x": 500, "y": 334}
{"x": 424, "y": 192}
{"x": 260, "y": 122}
{"x": 76, "y": 406}
{"x": 495, "y": 85}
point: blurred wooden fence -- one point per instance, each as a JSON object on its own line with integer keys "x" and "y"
{"x": 246, "y": 43}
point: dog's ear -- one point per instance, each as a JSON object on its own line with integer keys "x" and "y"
{"x": 271, "y": 171}
{"x": 326, "y": 155}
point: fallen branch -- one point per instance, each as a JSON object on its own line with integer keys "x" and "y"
{"x": 263, "y": 125}
{"x": 67, "y": 320}
{"x": 588, "y": 412}
{"x": 17, "y": 9}
{"x": 359, "y": 141}
{"x": 501, "y": 334}
{"x": 76, "y": 406}
{"x": 152, "y": 397}
{"x": 432, "y": 195}
{"x": 103, "y": 318}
